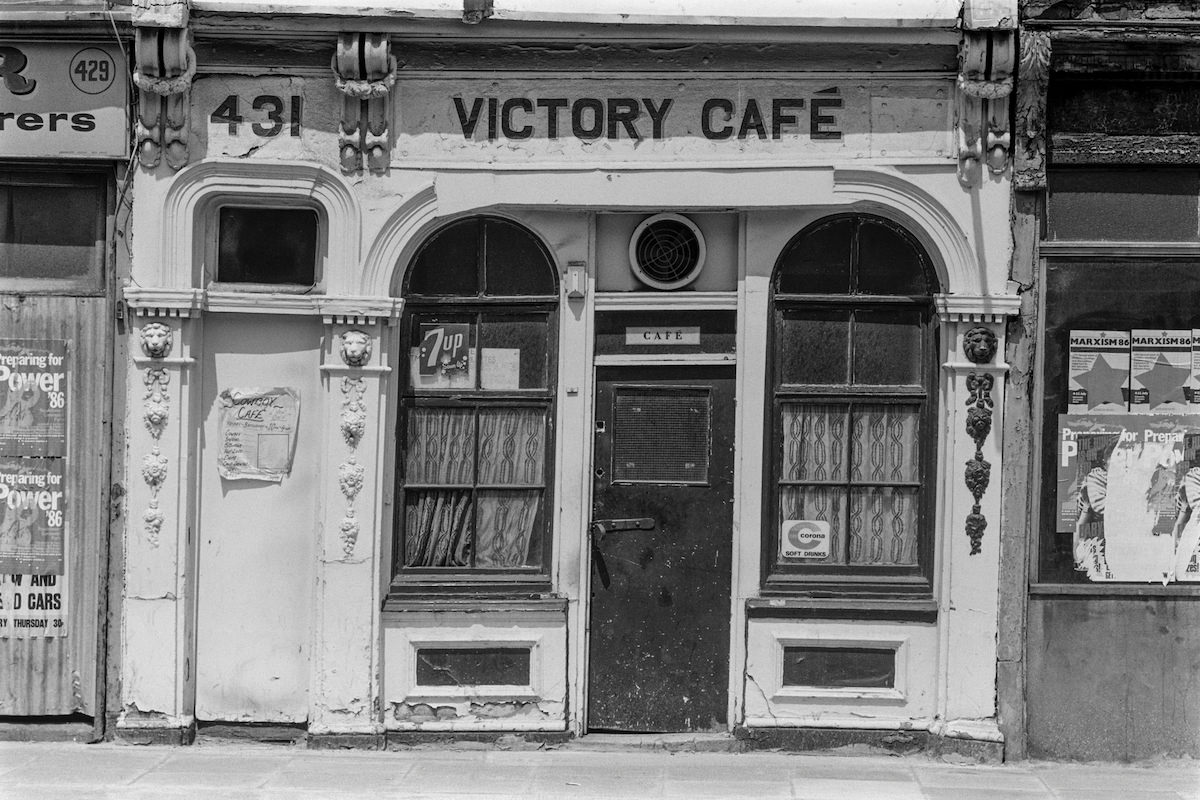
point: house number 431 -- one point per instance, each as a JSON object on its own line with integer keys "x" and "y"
{"x": 272, "y": 110}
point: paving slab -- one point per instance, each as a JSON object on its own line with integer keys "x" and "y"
{"x": 975, "y": 778}
{"x": 851, "y": 789}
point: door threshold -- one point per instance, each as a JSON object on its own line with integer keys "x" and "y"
{"x": 698, "y": 742}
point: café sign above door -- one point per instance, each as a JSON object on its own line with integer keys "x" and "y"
{"x": 552, "y": 118}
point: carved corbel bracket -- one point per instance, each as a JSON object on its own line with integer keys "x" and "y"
{"x": 1029, "y": 159}
{"x": 985, "y": 82}
{"x": 365, "y": 73}
{"x": 163, "y": 75}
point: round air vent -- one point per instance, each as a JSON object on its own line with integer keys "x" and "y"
{"x": 666, "y": 251}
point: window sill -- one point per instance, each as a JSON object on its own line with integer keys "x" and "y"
{"x": 1124, "y": 590}
{"x": 424, "y": 603}
{"x": 890, "y": 608}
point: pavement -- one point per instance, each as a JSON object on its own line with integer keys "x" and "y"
{"x": 253, "y": 771}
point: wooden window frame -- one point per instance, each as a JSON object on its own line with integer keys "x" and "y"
{"x": 846, "y": 580}
{"x": 84, "y": 177}
{"x": 507, "y": 581}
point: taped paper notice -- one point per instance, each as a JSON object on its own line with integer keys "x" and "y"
{"x": 258, "y": 433}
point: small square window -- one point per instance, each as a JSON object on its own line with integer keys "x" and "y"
{"x": 473, "y": 666}
{"x": 267, "y": 246}
{"x": 840, "y": 667}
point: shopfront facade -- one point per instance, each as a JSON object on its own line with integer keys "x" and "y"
{"x": 544, "y": 373}
{"x": 63, "y": 150}
{"x": 1106, "y": 261}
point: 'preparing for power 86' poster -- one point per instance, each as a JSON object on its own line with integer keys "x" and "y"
{"x": 32, "y": 548}
{"x": 33, "y": 397}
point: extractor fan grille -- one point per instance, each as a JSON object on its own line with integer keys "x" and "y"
{"x": 666, "y": 251}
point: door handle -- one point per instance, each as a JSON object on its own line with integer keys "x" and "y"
{"x": 600, "y": 528}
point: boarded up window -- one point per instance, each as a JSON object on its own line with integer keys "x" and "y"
{"x": 661, "y": 435}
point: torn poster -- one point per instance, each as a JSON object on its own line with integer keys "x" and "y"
{"x": 1126, "y": 489}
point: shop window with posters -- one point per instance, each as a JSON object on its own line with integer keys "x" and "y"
{"x": 1121, "y": 387}
{"x": 852, "y": 404}
{"x": 475, "y": 434}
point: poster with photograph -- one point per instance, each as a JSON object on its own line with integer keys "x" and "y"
{"x": 32, "y": 512}
{"x": 1127, "y": 487}
{"x": 33, "y": 397}
{"x": 1099, "y": 372}
{"x": 258, "y": 433}
{"x": 1160, "y": 370}
{"x": 32, "y": 606}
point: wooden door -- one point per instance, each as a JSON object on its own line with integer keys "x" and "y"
{"x": 660, "y": 599}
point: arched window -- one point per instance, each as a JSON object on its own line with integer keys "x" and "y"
{"x": 853, "y": 379}
{"x": 475, "y": 432}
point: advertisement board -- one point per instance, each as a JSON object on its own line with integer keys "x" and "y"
{"x": 62, "y": 99}
{"x": 34, "y": 382}
{"x": 1129, "y": 495}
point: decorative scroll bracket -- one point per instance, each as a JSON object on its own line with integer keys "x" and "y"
{"x": 1029, "y": 158}
{"x": 165, "y": 67}
{"x": 985, "y": 82}
{"x": 365, "y": 73}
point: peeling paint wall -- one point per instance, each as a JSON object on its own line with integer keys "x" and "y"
{"x": 539, "y": 705}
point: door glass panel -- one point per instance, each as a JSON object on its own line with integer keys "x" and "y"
{"x": 661, "y": 435}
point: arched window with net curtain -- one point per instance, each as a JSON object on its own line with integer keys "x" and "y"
{"x": 475, "y": 434}
{"x": 853, "y": 399}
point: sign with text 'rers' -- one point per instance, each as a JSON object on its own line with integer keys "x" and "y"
{"x": 67, "y": 100}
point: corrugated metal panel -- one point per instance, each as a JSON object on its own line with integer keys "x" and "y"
{"x": 54, "y": 676}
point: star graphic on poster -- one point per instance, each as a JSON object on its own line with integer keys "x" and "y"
{"x": 1165, "y": 382}
{"x": 1102, "y": 383}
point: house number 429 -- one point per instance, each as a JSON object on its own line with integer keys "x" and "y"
{"x": 274, "y": 109}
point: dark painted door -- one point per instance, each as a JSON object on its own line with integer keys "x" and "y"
{"x": 659, "y": 634}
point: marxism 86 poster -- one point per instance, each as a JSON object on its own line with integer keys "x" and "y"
{"x": 33, "y": 397}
